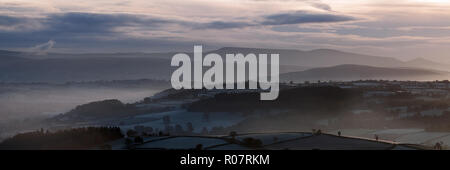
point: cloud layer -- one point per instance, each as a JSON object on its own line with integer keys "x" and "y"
{"x": 378, "y": 27}
{"x": 301, "y": 17}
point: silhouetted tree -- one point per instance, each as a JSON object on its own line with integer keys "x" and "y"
{"x": 252, "y": 142}
{"x": 205, "y": 131}
{"x": 77, "y": 138}
{"x": 199, "y": 147}
{"x": 138, "y": 139}
{"x": 233, "y": 135}
{"x": 178, "y": 129}
{"x": 189, "y": 127}
{"x": 166, "y": 120}
{"x": 131, "y": 133}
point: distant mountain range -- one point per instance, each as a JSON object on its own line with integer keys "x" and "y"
{"x": 362, "y": 72}
{"x": 59, "y": 67}
{"x": 329, "y": 57}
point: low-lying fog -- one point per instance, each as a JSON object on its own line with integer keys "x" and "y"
{"x": 29, "y": 102}
{"x": 24, "y": 106}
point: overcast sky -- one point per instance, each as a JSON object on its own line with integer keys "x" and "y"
{"x": 405, "y": 29}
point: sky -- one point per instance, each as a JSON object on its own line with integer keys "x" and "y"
{"x": 405, "y": 29}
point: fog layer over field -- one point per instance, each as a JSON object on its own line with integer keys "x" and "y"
{"x": 38, "y": 101}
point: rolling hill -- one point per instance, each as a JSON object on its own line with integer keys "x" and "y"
{"x": 328, "y": 57}
{"x": 60, "y": 67}
{"x": 362, "y": 72}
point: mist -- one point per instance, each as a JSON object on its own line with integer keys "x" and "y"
{"x": 19, "y": 101}
{"x": 50, "y": 102}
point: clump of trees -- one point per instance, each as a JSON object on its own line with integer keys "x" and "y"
{"x": 77, "y": 138}
{"x": 252, "y": 142}
{"x": 103, "y": 108}
{"x": 327, "y": 99}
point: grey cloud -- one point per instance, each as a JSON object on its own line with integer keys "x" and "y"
{"x": 300, "y": 17}
{"x": 314, "y": 3}
{"x": 98, "y": 23}
{"x": 225, "y": 25}
{"x": 321, "y": 5}
{"x": 11, "y": 23}
{"x": 93, "y": 30}
{"x": 106, "y": 23}
{"x": 82, "y": 23}
{"x": 7, "y": 20}
{"x": 76, "y": 29}
{"x": 101, "y": 24}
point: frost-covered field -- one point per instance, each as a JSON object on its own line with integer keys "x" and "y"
{"x": 421, "y": 137}
{"x": 182, "y": 117}
{"x": 408, "y": 136}
{"x": 444, "y": 139}
{"x": 353, "y": 132}
{"x": 284, "y": 140}
{"x": 230, "y": 147}
{"x": 330, "y": 142}
{"x": 271, "y": 138}
{"x": 182, "y": 143}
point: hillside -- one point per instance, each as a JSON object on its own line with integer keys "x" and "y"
{"x": 362, "y": 72}
{"x": 328, "y": 57}
{"x": 59, "y": 67}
